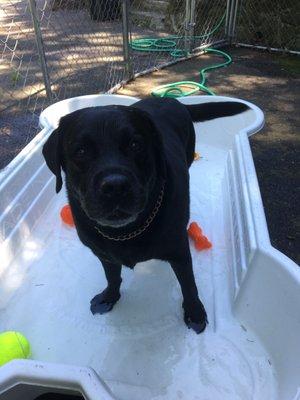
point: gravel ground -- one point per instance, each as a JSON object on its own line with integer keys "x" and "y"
{"x": 271, "y": 82}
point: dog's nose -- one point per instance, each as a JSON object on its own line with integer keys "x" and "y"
{"x": 114, "y": 185}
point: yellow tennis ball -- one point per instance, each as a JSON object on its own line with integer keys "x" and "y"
{"x": 13, "y": 345}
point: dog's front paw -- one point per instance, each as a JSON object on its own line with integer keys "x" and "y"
{"x": 195, "y": 316}
{"x": 104, "y": 302}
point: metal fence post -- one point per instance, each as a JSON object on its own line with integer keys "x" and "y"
{"x": 229, "y": 10}
{"x": 231, "y": 13}
{"x": 234, "y": 17}
{"x": 41, "y": 50}
{"x": 187, "y": 26}
{"x": 228, "y": 6}
{"x": 125, "y": 31}
{"x": 192, "y": 25}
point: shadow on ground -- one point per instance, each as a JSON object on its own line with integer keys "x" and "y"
{"x": 271, "y": 82}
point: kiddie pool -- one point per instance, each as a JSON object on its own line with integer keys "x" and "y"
{"x": 142, "y": 350}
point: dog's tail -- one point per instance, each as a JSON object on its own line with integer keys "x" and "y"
{"x": 207, "y": 111}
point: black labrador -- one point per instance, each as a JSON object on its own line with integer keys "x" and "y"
{"x": 127, "y": 179}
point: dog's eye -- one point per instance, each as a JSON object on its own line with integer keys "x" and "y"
{"x": 136, "y": 145}
{"x": 80, "y": 153}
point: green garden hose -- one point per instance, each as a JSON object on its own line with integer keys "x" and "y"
{"x": 169, "y": 44}
{"x": 187, "y": 88}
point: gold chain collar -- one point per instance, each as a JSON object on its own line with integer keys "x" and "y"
{"x": 140, "y": 230}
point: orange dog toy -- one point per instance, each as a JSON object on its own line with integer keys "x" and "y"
{"x": 195, "y": 233}
{"x": 66, "y": 215}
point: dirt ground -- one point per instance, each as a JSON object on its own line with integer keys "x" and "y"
{"x": 271, "y": 82}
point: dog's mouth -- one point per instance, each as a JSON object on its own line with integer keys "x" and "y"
{"x": 118, "y": 215}
{"x": 117, "y": 219}
{"x": 115, "y": 216}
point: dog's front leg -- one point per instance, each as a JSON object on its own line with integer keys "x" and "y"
{"x": 194, "y": 312}
{"x": 104, "y": 301}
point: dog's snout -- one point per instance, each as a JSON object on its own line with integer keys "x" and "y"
{"x": 113, "y": 198}
{"x": 114, "y": 185}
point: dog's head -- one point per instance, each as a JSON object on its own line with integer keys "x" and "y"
{"x": 111, "y": 156}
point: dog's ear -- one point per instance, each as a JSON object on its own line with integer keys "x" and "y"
{"x": 147, "y": 124}
{"x": 53, "y": 151}
{"x": 52, "y": 154}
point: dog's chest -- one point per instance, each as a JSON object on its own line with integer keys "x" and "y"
{"x": 129, "y": 253}
{"x": 132, "y": 251}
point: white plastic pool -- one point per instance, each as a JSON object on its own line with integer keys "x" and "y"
{"x": 142, "y": 350}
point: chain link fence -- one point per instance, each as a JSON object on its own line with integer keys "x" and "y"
{"x": 83, "y": 49}
{"x": 173, "y": 30}
{"x": 153, "y": 18}
{"x": 21, "y": 81}
{"x": 274, "y": 24}
{"x": 92, "y": 46}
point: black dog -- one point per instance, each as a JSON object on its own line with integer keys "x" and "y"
{"x": 128, "y": 186}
